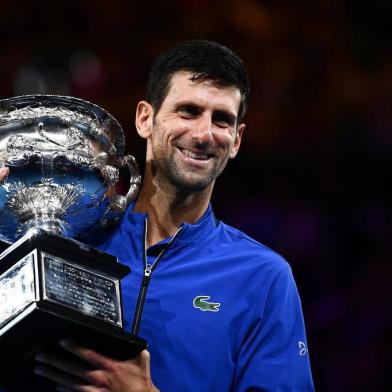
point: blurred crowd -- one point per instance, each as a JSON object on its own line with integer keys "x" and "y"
{"x": 310, "y": 179}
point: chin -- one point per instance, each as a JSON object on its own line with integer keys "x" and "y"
{"x": 191, "y": 185}
{"x": 188, "y": 181}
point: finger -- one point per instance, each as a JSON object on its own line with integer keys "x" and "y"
{"x": 3, "y": 172}
{"x": 86, "y": 388}
{"x": 59, "y": 377}
{"x": 143, "y": 360}
{"x": 66, "y": 365}
{"x": 86, "y": 354}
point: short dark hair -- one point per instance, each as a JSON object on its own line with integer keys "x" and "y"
{"x": 206, "y": 60}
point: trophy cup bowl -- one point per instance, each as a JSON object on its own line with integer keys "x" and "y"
{"x": 63, "y": 156}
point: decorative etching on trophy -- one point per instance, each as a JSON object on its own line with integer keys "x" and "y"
{"x": 64, "y": 157}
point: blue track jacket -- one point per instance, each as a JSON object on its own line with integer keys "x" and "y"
{"x": 221, "y": 313}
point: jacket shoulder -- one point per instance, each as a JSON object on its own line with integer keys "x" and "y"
{"x": 251, "y": 248}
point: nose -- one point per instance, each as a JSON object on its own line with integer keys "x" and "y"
{"x": 202, "y": 130}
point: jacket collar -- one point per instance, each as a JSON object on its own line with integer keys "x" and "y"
{"x": 134, "y": 221}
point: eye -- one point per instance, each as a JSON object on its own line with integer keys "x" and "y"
{"x": 223, "y": 120}
{"x": 189, "y": 111}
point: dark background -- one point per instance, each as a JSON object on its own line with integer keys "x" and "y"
{"x": 309, "y": 179}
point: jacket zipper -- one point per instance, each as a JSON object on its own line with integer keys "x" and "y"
{"x": 148, "y": 269}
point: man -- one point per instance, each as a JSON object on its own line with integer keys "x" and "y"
{"x": 220, "y": 311}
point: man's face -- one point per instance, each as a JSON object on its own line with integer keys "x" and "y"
{"x": 195, "y": 132}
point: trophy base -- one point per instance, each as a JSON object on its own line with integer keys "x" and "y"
{"x": 41, "y": 315}
{"x": 39, "y": 328}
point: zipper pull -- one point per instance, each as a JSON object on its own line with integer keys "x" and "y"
{"x": 147, "y": 271}
{"x": 146, "y": 276}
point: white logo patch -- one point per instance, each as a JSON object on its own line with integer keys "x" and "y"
{"x": 303, "y": 350}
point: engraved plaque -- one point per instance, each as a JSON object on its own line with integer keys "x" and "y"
{"x": 17, "y": 289}
{"x": 81, "y": 289}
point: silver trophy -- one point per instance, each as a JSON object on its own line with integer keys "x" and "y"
{"x": 63, "y": 156}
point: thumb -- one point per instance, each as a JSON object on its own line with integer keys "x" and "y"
{"x": 3, "y": 172}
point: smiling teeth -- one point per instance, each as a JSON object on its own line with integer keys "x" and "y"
{"x": 194, "y": 155}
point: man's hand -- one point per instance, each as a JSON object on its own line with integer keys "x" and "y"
{"x": 93, "y": 372}
{"x": 3, "y": 172}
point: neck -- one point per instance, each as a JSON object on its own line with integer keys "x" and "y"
{"x": 167, "y": 206}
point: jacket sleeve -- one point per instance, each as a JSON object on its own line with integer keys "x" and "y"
{"x": 274, "y": 355}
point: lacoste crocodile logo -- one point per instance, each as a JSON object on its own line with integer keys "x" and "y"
{"x": 201, "y": 302}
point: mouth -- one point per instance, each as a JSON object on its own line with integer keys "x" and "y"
{"x": 196, "y": 155}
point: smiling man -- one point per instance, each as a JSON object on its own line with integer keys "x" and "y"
{"x": 190, "y": 137}
{"x": 194, "y": 133}
{"x": 219, "y": 310}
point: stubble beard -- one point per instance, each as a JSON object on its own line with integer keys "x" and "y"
{"x": 187, "y": 182}
{"x": 184, "y": 182}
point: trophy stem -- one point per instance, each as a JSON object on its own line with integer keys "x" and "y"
{"x": 49, "y": 224}
{"x": 43, "y": 205}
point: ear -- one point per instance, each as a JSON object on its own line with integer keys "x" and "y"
{"x": 237, "y": 141}
{"x": 144, "y": 119}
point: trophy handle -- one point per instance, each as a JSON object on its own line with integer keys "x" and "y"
{"x": 120, "y": 203}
